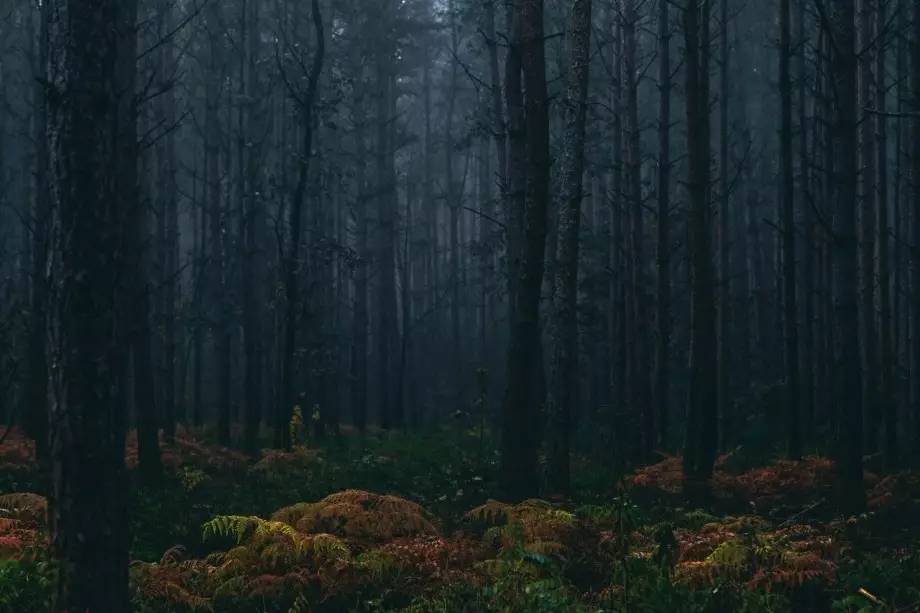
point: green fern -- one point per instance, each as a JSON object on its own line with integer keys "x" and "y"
{"x": 242, "y": 527}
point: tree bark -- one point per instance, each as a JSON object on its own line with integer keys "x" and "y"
{"x": 867, "y": 223}
{"x": 887, "y": 383}
{"x": 91, "y": 139}
{"x": 563, "y": 389}
{"x": 848, "y": 371}
{"x": 790, "y": 308}
{"x": 915, "y": 224}
{"x": 701, "y": 440}
{"x": 523, "y": 401}
{"x": 663, "y": 310}
{"x": 35, "y": 420}
{"x": 291, "y": 264}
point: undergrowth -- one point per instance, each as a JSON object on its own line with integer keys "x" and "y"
{"x": 415, "y": 523}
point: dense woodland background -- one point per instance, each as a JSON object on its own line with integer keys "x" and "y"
{"x": 606, "y": 230}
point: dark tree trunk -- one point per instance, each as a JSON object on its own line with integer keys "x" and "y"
{"x": 701, "y": 441}
{"x": 35, "y": 420}
{"x": 848, "y": 372}
{"x": 216, "y": 221}
{"x": 453, "y": 197}
{"x": 790, "y": 308}
{"x": 866, "y": 219}
{"x": 809, "y": 351}
{"x": 563, "y": 389}
{"x": 663, "y": 311}
{"x": 640, "y": 372}
{"x": 252, "y": 222}
{"x": 523, "y": 400}
{"x": 91, "y": 140}
{"x": 168, "y": 210}
{"x": 887, "y": 385}
{"x": 915, "y": 224}
{"x": 725, "y": 241}
{"x": 291, "y": 263}
{"x": 359, "y": 323}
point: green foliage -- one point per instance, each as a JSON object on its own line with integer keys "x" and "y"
{"x": 431, "y": 539}
{"x": 892, "y": 577}
{"x": 25, "y": 586}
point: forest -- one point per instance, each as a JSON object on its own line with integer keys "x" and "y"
{"x": 463, "y": 306}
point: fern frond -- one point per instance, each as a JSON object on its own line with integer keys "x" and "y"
{"x": 24, "y": 506}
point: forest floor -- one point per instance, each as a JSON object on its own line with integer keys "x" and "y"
{"x": 410, "y": 522}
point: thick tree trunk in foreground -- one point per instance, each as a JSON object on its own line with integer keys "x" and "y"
{"x": 90, "y": 137}
{"x": 563, "y": 388}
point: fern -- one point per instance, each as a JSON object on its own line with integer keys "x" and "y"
{"x": 242, "y": 527}
{"x": 24, "y": 506}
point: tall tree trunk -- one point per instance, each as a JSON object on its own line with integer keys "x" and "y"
{"x": 217, "y": 220}
{"x": 725, "y": 241}
{"x": 499, "y": 131}
{"x": 523, "y": 400}
{"x": 809, "y": 352}
{"x": 563, "y": 389}
{"x": 640, "y": 372}
{"x": 867, "y": 223}
{"x": 252, "y": 222}
{"x": 848, "y": 375}
{"x": 454, "y": 202}
{"x": 35, "y": 420}
{"x": 92, "y": 140}
{"x": 790, "y": 308}
{"x": 915, "y": 224}
{"x": 168, "y": 210}
{"x": 663, "y": 311}
{"x": 701, "y": 440}
{"x": 517, "y": 148}
{"x": 291, "y": 264}
{"x": 887, "y": 385}
{"x": 359, "y": 323}
{"x": 618, "y": 315}
{"x": 200, "y": 268}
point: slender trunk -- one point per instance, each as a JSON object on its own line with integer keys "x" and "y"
{"x": 809, "y": 354}
{"x": 887, "y": 400}
{"x": 169, "y": 212}
{"x": 454, "y": 202}
{"x": 848, "y": 373}
{"x": 563, "y": 388}
{"x": 640, "y": 381}
{"x": 291, "y": 264}
{"x": 252, "y": 228}
{"x": 867, "y": 224}
{"x": 359, "y": 323}
{"x": 725, "y": 282}
{"x": 701, "y": 441}
{"x": 35, "y": 421}
{"x": 915, "y": 224}
{"x": 662, "y": 366}
{"x": 790, "y": 308}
